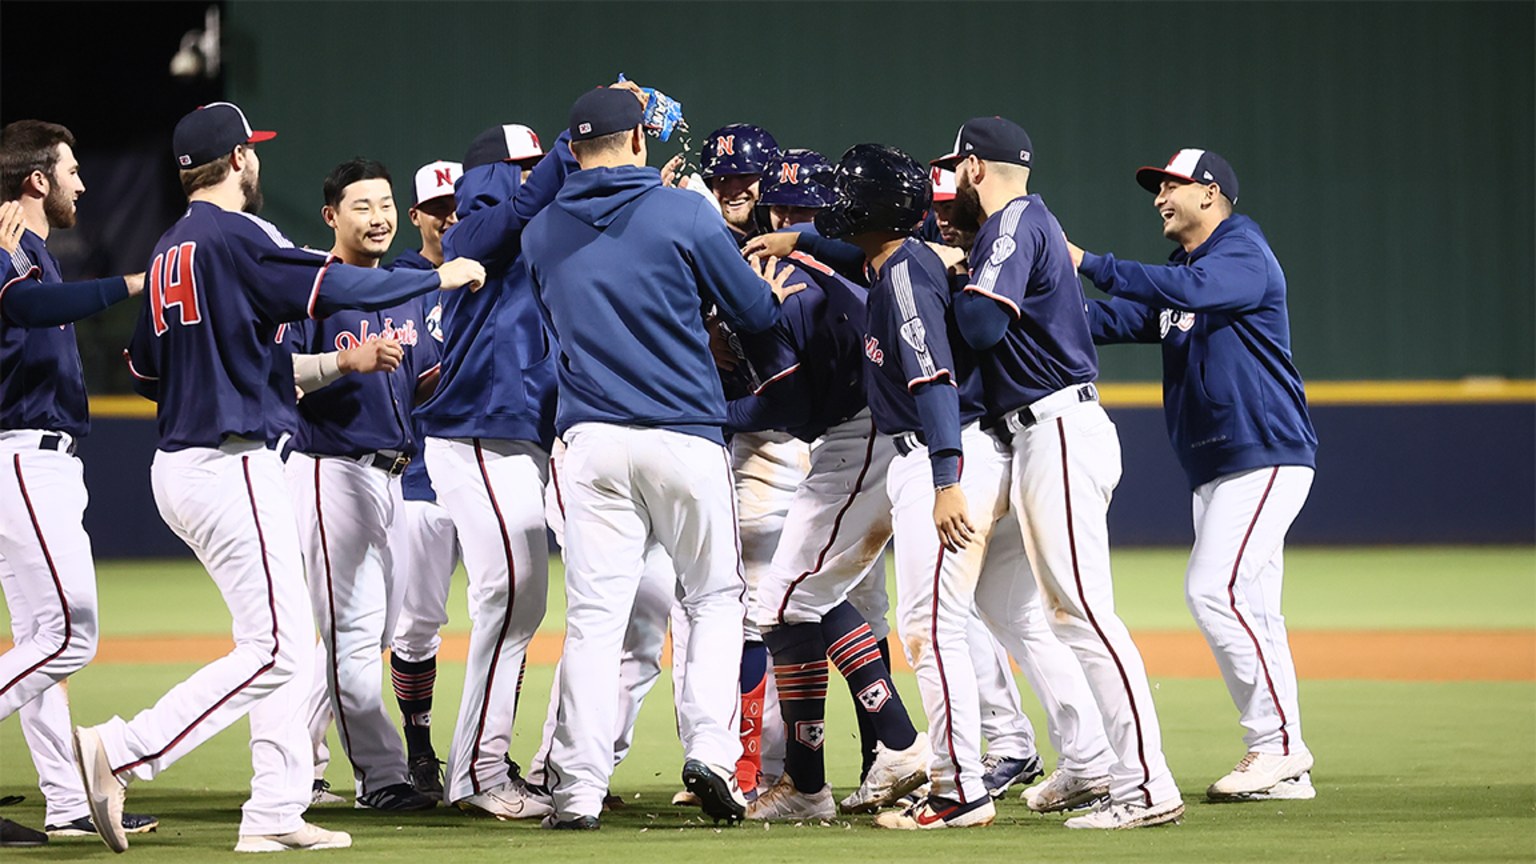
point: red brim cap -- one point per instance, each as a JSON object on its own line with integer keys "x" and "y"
{"x": 947, "y": 161}
{"x": 259, "y": 136}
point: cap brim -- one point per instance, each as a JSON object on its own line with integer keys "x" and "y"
{"x": 259, "y": 136}
{"x": 939, "y": 197}
{"x": 947, "y": 161}
{"x": 1150, "y": 178}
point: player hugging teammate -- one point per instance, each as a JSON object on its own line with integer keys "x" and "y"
{"x": 727, "y": 394}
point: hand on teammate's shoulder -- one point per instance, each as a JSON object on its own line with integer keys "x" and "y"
{"x": 461, "y": 273}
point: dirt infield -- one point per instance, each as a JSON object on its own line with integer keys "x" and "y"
{"x": 1376, "y": 655}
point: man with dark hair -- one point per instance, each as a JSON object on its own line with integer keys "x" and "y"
{"x": 353, "y": 441}
{"x": 46, "y": 569}
{"x": 221, "y": 282}
{"x": 620, "y": 266}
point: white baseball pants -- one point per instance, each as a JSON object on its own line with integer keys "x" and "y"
{"x": 426, "y": 552}
{"x": 494, "y": 490}
{"x": 1008, "y": 601}
{"x": 625, "y": 487}
{"x": 1233, "y": 588}
{"x": 935, "y": 593}
{"x": 1065, "y": 469}
{"x": 345, "y": 512}
{"x": 42, "y": 499}
{"x": 231, "y": 506}
{"x": 1004, "y": 726}
{"x": 769, "y": 468}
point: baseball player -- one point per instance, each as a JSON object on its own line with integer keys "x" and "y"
{"x": 489, "y": 425}
{"x": 425, "y": 542}
{"x": 1237, "y": 414}
{"x": 640, "y": 412}
{"x": 352, "y": 441}
{"x": 1021, "y": 310}
{"x": 220, "y": 283}
{"x": 837, "y": 523}
{"x": 768, "y": 464}
{"x": 925, "y": 400}
{"x": 46, "y": 570}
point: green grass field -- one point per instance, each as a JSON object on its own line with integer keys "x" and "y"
{"x": 1406, "y": 771}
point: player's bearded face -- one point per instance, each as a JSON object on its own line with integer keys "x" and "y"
{"x": 250, "y": 187}
{"x": 64, "y": 186}
{"x": 59, "y": 207}
{"x": 737, "y": 194}
{"x": 965, "y": 211}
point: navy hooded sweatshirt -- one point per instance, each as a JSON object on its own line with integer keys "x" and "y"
{"x": 1232, "y": 398}
{"x": 621, "y": 265}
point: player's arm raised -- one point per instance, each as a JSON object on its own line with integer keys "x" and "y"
{"x": 1232, "y": 278}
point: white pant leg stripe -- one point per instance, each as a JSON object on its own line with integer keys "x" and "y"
{"x": 1285, "y": 736}
{"x": 53, "y": 571}
{"x": 506, "y": 621}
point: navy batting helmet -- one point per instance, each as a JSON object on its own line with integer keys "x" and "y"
{"x": 878, "y": 188}
{"x": 797, "y": 178}
{"x": 739, "y": 148}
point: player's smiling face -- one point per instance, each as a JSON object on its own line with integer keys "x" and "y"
{"x": 737, "y": 194}
{"x": 364, "y": 221}
{"x": 64, "y": 188}
{"x": 432, "y": 218}
{"x": 1182, "y": 206}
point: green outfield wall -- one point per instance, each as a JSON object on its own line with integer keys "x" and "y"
{"x": 1386, "y": 148}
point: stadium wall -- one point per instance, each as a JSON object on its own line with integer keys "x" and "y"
{"x": 1459, "y": 468}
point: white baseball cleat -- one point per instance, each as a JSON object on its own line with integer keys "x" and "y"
{"x": 305, "y": 839}
{"x": 782, "y": 802}
{"x": 684, "y": 798}
{"x": 1259, "y": 773}
{"x": 1111, "y": 816}
{"x": 1063, "y": 790}
{"x": 103, "y": 791}
{"x": 320, "y": 793}
{"x": 933, "y": 812}
{"x": 894, "y": 774}
{"x": 510, "y": 800}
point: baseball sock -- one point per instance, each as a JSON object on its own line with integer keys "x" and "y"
{"x": 800, "y": 674}
{"x": 754, "y": 684}
{"x": 413, "y": 682}
{"x": 867, "y": 737}
{"x": 851, "y": 646}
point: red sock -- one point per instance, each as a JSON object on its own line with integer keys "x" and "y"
{"x": 751, "y": 762}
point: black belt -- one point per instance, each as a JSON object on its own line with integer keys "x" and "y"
{"x": 55, "y": 441}
{"x": 394, "y": 465}
{"x": 906, "y": 442}
{"x": 1025, "y": 417}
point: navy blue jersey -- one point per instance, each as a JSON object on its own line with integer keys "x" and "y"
{"x": 1020, "y": 263}
{"x": 364, "y": 413}
{"x": 622, "y": 266}
{"x": 498, "y": 366}
{"x": 426, "y": 358}
{"x": 217, "y": 288}
{"x": 1232, "y": 397}
{"x": 41, "y": 384}
{"x": 920, "y": 376}
{"x": 810, "y": 364}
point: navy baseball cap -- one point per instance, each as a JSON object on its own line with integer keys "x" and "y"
{"x": 210, "y": 132}
{"x": 512, "y": 142}
{"x": 1192, "y": 166}
{"x": 604, "y": 111}
{"x": 991, "y": 138}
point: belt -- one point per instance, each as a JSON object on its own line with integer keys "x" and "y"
{"x": 906, "y": 442}
{"x": 57, "y": 441}
{"x": 1047, "y": 407}
{"x": 388, "y": 461}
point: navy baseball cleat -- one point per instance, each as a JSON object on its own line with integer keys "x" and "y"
{"x": 577, "y": 823}
{"x": 716, "y": 789}
{"x": 395, "y": 798}
{"x": 12, "y": 834}
{"x": 133, "y": 823}
{"x": 1000, "y": 772}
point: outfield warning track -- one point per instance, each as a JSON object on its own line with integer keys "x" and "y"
{"x": 1371, "y": 655}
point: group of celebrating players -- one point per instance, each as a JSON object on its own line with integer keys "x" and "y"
{"x": 726, "y": 392}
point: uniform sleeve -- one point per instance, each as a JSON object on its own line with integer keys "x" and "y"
{"x": 725, "y": 278}
{"x": 1119, "y": 320}
{"x": 29, "y": 303}
{"x": 782, "y": 400}
{"x": 846, "y": 258}
{"x": 1001, "y": 264}
{"x": 927, "y": 360}
{"x": 293, "y": 284}
{"x": 493, "y": 212}
{"x": 1231, "y": 279}
{"x": 143, "y": 357}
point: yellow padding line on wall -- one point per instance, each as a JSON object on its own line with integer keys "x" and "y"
{"x": 1150, "y": 395}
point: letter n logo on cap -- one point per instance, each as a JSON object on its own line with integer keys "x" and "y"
{"x": 444, "y": 177}
{"x": 789, "y": 172}
{"x": 726, "y": 144}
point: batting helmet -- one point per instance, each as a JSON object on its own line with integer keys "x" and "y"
{"x": 878, "y": 188}
{"x": 739, "y": 148}
{"x": 797, "y": 178}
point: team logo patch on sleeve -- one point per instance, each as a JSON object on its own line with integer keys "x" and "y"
{"x": 874, "y": 697}
{"x": 1168, "y": 319}
{"x": 811, "y": 733}
{"x": 873, "y": 352}
{"x": 1002, "y": 247}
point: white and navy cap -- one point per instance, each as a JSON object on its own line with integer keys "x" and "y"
{"x": 993, "y": 139}
{"x": 210, "y": 132}
{"x": 1192, "y": 166}
{"x": 435, "y": 180}
{"x": 512, "y": 142}
{"x": 943, "y": 183}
